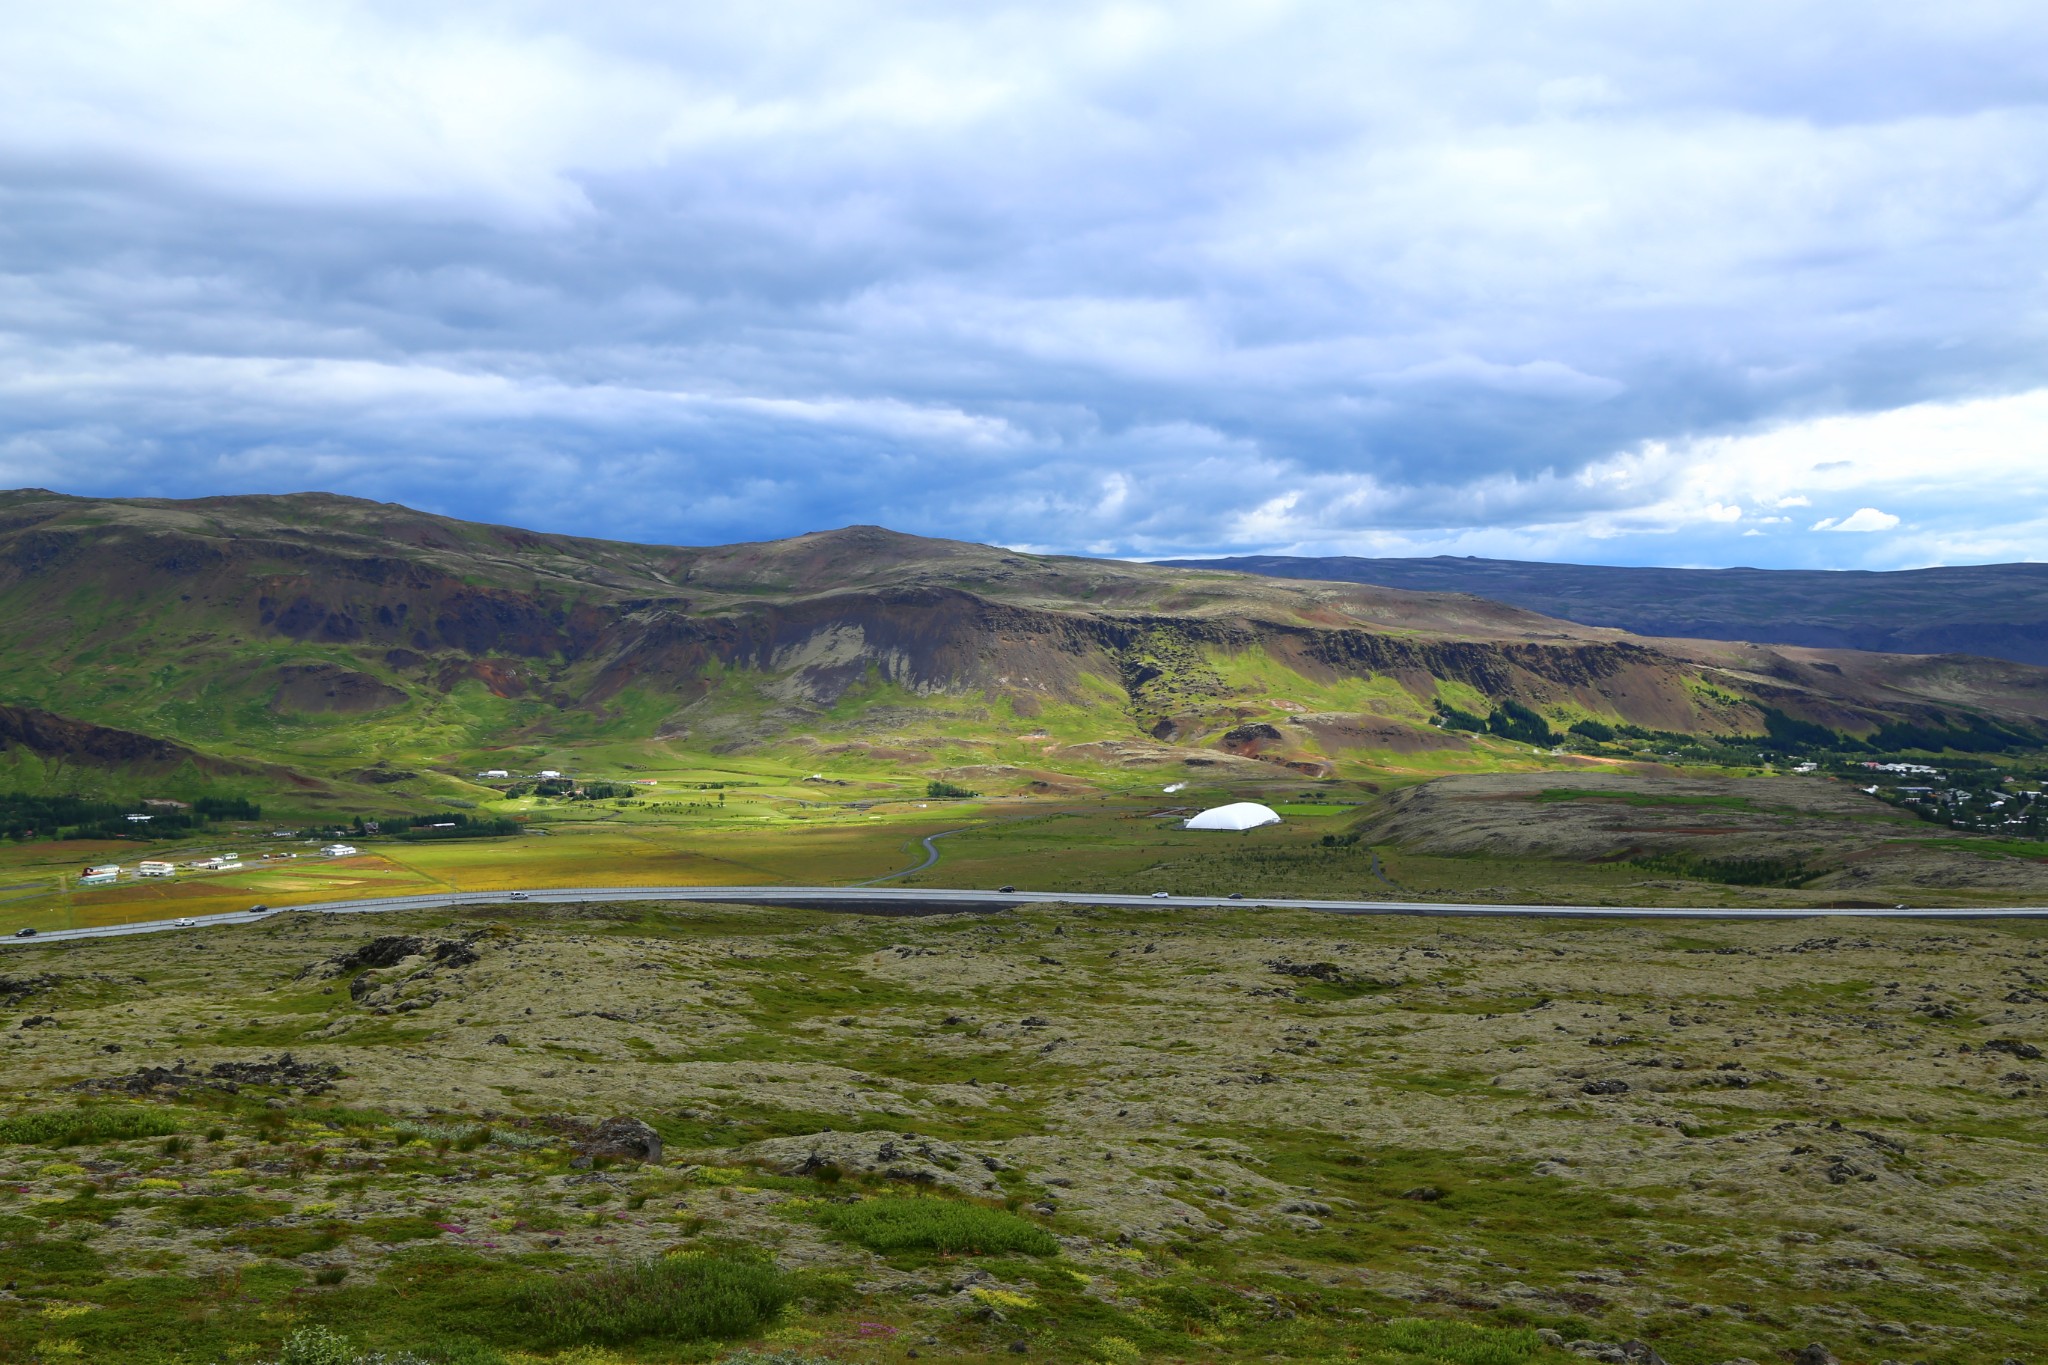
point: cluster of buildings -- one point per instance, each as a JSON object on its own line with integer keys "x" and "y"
{"x": 105, "y": 874}
{"x": 544, "y": 774}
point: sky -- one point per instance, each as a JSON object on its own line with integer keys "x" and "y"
{"x": 1588, "y": 280}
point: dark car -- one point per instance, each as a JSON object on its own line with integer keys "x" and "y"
{"x": 255, "y": 909}
{"x": 1236, "y": 895}
{"x": 1005, "y": 890}
{"x": 24, "y": 933}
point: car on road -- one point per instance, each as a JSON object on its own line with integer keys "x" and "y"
{"x": 255, "y": 909}
{"x": 1236, "y": 895}
{"x": 1161, "y": 895}
{"x": 184, "y": 924}
{"x": 24, "y": 933}
{"x": 1006, "y": 890}
{"x": 518, "y": 896}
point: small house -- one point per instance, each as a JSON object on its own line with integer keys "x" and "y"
{"x": 494, "y": 772}
{"x": 339, "y": 851}
{"x": 549, "y": 772}
{"x": 153, "y": 867}
{"x": 100, "y": 874}
{"x": 138, "y": 819}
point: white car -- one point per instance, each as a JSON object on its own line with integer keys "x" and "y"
{"x": 517, "y": 896}
{"x": 184, "y": 924}
{"x": 1161, "y": 895}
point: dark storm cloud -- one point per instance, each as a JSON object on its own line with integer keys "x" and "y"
{"x": 1540, "y": 279}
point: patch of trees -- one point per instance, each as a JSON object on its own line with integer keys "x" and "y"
{"x": 1509, "y": 720}
{"x": 456, "y": 825}
{"x": 1785, "y": 734}
{"x": 1455, "y": 719}
{"x": 1784, "y": 872}
{"x": 25, "y": 816}
{"x": 946, "y": 790}
{"x": 603, "y": 791}
{"x": 1795, "y": 736}
{"x": 1977, "y": 736}
{"x": 1512, "y": 720}
{"x": 546, "y": 786}
{"x": 1967, "y": 734}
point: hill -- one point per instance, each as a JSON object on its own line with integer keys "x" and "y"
{"x": 375, "y": 649}
{"x": 1996, "y": 610}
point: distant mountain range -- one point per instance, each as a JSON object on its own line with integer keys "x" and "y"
{"x": 348, "y": 650}
{"x": 1999, "y": 611}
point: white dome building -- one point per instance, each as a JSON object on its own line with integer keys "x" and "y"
{"x": 1242, "y": 815}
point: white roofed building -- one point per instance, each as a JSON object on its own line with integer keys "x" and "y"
{"x": 1242, "y": 815}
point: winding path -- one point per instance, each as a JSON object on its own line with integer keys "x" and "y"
{"x": 931, "y": 855}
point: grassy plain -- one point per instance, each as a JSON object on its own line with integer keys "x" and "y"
{"x": 1561, "y": 831}
{"x": 1087, "y": 1135}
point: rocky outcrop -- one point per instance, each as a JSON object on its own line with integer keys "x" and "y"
{"x": 61, "y": 740}
{"x": 904, "y": 1157}
{"x": 330, "y": 688}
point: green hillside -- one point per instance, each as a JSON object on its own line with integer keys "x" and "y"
{"x": 316, "y": 646}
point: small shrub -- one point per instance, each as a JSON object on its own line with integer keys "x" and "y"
{"x": 1459, "y": 1343}
{"x": 176, "y": 1146}
{"x": 1117, "y": 1351}
{"x": 330, "y": 1275}
{"x": 224, "y": 1210}
{"x": 316, "y": 1346}
{"x": 943, "y": 1225}
{"x": 681, "y": 1298}
{"x": 34, "y": 1259}
{"x": 69, "y": 1127}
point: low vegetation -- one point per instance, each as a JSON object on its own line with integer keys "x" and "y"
{"x": 677, "y": 1298}
{"x": 1092, "y": 1135}
{"x": 941, "y": 1225}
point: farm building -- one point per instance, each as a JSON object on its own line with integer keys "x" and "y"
{"x": 99, "y": 874}
{"x": 339, "y": 851}
{"x": 494, "y": 772}
{"x": 1241, "y": 815}
{"x": 153, "y": 867}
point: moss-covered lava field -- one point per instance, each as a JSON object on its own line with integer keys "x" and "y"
{"x": 606, "y": 1134}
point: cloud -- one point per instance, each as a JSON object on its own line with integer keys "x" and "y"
{"x": 1862, "y": 519}
{"x": 1566, "y": 281}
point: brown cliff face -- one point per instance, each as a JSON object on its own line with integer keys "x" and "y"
{"x": 315, "y": 604}
{"x": 59, "y": 740}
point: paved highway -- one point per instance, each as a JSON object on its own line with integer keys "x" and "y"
{"x": 891, "y": 900}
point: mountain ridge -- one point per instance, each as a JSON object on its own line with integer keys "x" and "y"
{"x": 1994, "y": 610}
{"x": 325, "y": 632}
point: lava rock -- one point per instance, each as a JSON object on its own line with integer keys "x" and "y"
{"x": 622, "y": 1138}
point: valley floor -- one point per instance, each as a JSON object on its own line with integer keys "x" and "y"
{"x": 1567, "y": 837}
